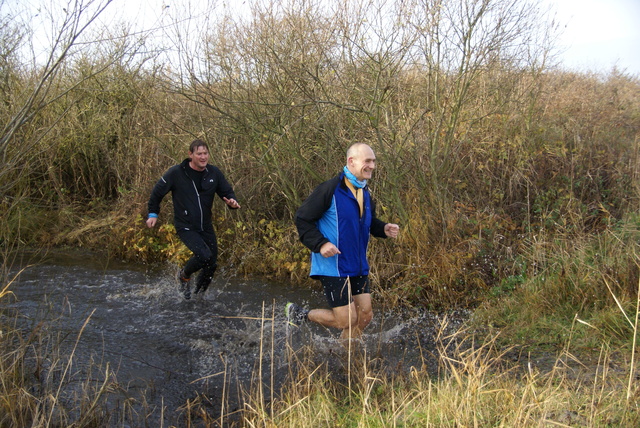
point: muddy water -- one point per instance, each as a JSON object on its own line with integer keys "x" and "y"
{"x": 165, "y": 350}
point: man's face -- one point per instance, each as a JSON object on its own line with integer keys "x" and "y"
{"x": 199, "y": 158}
{"x": 362, "y": 163}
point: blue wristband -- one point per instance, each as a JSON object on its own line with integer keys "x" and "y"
{"x": 153, "y": 215}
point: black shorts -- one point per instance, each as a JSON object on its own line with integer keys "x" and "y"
{"x": 338, "y": 293}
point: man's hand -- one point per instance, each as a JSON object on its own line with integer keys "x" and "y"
{"x": 151, "y": 221}
{"x": 329, "y": 250}
{"x": 391, "y": 230}
{"x": 232, "y": 203}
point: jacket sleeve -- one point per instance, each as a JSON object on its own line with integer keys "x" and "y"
{"x": 310, "y": 212}
{"x": 377, "y": 225}
{"x": 161, "y": 188}
{"x": 224, "y": 189}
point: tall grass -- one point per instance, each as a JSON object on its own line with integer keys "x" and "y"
{"x": 516, "y": 186}
{"x": 478, "y": 156}
{"x": 478, "y": 384}
{"x": 42, "y": 387}
{"x": 593, "y": 278}
{"x": 45, "y": 383}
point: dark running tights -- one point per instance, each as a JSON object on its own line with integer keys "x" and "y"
{"x": 204, "y": 247}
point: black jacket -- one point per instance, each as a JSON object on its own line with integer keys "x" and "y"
{"x": 191, "y": 209}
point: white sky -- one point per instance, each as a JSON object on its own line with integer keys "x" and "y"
{"x": 597, "y": 34}
{"x": 600, "y": 34}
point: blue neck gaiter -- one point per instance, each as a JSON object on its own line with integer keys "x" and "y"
{"x": 358, "y": 184}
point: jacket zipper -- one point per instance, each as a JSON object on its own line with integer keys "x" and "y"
{"x": 361, "y": 232}
{"x": 361, "y": 256}
{"x": 195, "y": 189}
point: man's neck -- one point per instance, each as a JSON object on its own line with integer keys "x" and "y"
{"x": 193, "y": 167}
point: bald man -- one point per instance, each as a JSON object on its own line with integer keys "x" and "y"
{"x": 335, "y": 223}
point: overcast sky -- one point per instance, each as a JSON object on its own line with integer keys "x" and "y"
{"x": 600, "y": 34}
{"x": 597, "y": 34}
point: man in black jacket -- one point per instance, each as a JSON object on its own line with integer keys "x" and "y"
{"x": 193, "y": 185}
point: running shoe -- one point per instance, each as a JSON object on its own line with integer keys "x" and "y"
{"x": 200, "y": 288}
{"x": 202, "y": 284}
{"x": 295, "y": 314}
{"x": 185, "y": 287}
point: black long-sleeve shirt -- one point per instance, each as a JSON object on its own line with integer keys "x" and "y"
{"x": 191, "y": 207}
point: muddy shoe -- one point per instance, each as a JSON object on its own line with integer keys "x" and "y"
{"x": 201, "y": 288}
{"x": 295, "y": 314}
{"x": 185, "y": 287}
{"x": 204, "y": 279}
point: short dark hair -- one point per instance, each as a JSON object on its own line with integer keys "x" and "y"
{"x": 197, "y": 143}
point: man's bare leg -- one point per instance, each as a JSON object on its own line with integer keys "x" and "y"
{"x": 364, "y": 310}
{"x": 359, "y": 312}
{"x": 364, "y": 315}
{"x": 340, "y": 317}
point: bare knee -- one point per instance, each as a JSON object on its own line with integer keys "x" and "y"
{"x": 345, "y": 316}
{"x": 365, "y": 317}
{"x": 364, "y": 309}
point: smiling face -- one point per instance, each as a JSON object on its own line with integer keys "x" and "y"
{"x": 361, "y": 161}
{"x": 199, "y": 158}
